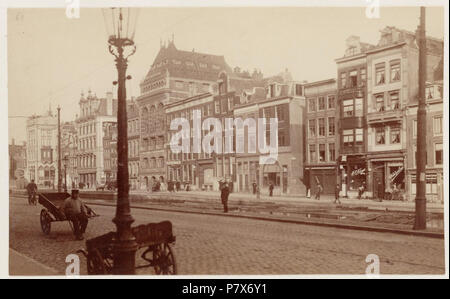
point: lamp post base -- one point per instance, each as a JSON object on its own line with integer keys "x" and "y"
{"x": 421, "y": 215}
{"x": 124, "y": 257}
{"x": 125, "y": 246}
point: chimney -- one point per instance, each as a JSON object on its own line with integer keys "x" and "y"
{"x": 109, "y": 103}
{"x": 12, "y": 141}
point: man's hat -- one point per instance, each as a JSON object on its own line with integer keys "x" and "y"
{"x": 75, "y": 192}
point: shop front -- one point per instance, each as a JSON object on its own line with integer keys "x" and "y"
{"x": 353, "y": 175}
{"x": 387, "y": 179}
{"x": 326, "y": 175}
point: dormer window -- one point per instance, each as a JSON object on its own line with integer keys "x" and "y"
{"x": 351, "y": 51}
{"x": 202, "y": 65}
{"x": 298, "y": 90}
{"x": 272, "y": 90}
{"x": 222, "y": 87}
{"x": 174, "y": 61}
{"x": 189, "y": 63}
{"x": 222, "y": 83}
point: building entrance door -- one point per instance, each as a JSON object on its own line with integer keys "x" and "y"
{"x": 378, "y": 182}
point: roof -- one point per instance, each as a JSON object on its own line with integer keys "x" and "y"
{"x": 101, "y": 111}
{"x": 320, "y": 82}
{"x": 391, "y": 36}
{"x": 187, "y": 64}
{"x": 240, "y": 85}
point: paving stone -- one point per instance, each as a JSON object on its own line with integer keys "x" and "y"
{"x": 227, "y": 245}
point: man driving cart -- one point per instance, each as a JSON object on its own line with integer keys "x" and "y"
{"x": 77, "y": 212}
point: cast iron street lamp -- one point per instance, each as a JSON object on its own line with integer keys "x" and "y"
{"x": 421, "y": 200}
{"x": 121, "y": 23}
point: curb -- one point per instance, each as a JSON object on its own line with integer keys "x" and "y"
{"x": 428, "y": 234}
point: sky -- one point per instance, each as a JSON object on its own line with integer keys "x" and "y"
{"x": 52, "y": 59}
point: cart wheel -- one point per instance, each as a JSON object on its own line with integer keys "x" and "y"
{"x": 164, "y": 260}
{"x": 95, "y": 264}
{"x": 46, "y": 221}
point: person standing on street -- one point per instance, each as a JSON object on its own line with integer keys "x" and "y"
{"x": 271, "y": 187}
{"x": 361, "y": 191}
{"x": 254, "y": 187}
{"x": 31, "y": 189}
{"x": 318, "y": 190}
{"x": 380, "y": 191}
{"x": 224, "y": 193}
{"x": 337, "y": 190}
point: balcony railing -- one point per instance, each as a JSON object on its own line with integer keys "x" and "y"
{"x": 384, "y": 114}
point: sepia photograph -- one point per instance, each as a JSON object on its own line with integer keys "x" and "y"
{"x": 299, "y": 138}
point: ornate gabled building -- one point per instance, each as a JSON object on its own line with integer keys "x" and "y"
{"x": 96, "y": 114}
{"x": 42, "y": 153}
{"x": 174, "y": 75}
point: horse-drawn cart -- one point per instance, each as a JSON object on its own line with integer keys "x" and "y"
{"x": 53, "y": 203}
{"x": 156, "y": 238}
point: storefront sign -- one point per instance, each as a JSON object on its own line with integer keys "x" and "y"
{"x": 393, "y": 175}
{"x": 359, "y": 171}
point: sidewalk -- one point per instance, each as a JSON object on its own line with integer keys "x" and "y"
{"x": 22, "y": 265}
{"x": 325, "y": 200}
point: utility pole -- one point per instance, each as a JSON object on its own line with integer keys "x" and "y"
{"x": 59, "y": 151}
{"x": 421, "y": 159}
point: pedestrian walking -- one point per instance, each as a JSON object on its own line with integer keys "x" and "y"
{"x": 271, "y": 187}
{"x": 337, "y": 191}
{"x": 254, "y": 187}
{"x": 224, "y": 193}
{"x": 178, "y": 186}
{"x": 319, "y": 190}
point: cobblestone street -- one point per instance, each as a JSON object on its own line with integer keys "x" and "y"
{"x": 228, "y": 245}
